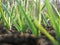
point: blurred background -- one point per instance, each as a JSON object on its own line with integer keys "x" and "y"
{"x": 56, "y": 2}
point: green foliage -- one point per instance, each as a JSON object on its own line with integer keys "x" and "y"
{"x": 53, "y": 19}
{"x": 23, "y": 15}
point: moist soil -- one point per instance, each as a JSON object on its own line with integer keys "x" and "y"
{"x": 13, "y": 37}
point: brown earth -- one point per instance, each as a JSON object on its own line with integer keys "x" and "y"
{"x": 13, "y": 37}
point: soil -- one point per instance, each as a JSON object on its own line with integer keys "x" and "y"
{"x": 13, "y": 37}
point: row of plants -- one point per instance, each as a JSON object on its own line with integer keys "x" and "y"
{"x": 24, "y": 15}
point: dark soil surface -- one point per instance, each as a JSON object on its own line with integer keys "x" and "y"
{"x": 13, "y": 37}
